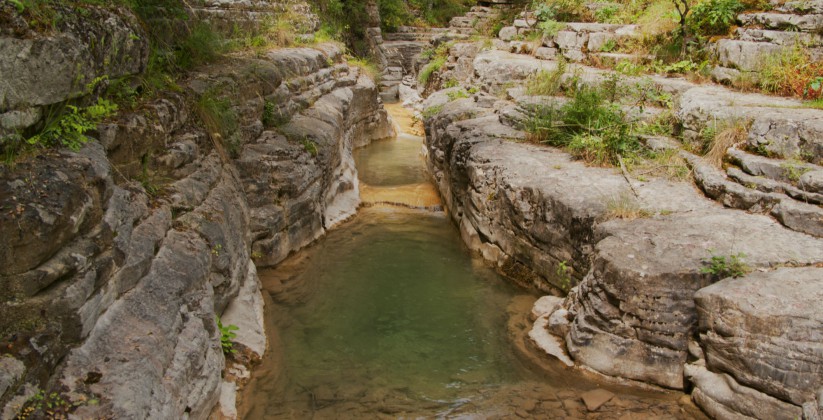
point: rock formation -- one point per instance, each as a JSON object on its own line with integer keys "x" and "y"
{"x": 120, "y": 255}
{"x": 640, "y": 305}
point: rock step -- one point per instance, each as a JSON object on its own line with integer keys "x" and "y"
{"x": 779, "y": 37}
{"x": 771, "y": 186}
{"x": 799, "y": 7}
{"x": 804, "y": 23}
{"x": 807, "y": 176}
{"x": 795, "y": 215}
{"x": 782, "y": 127}
{"x": 408, "y": 36}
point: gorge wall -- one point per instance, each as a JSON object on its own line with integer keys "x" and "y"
{"x": 119, "y": 256}
{"x": 641, "y": 306}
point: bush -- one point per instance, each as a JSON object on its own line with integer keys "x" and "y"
{"x": 713, "y": 17}
{"x": 723, "y": 266}
{"x": 591, "y": 126}
{"x": 793, "y": 73}
{"x": 430, "y": 69}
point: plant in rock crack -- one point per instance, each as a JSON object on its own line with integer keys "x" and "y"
{"x": 723, "y": 266}
{"x": 226, "y": 336}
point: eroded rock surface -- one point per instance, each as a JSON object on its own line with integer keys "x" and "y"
{"x": 544, "y": 220}
{"x": 120, "y": 256}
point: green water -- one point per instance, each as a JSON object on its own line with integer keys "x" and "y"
{"x": 392, "y": 162}
{"x": 389, "y": 316}
{"x": 392, "y": 302}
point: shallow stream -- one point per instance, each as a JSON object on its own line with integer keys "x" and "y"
{"x": 390, "y": 316}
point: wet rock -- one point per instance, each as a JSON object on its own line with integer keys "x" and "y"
{"x": 595, "y": 398}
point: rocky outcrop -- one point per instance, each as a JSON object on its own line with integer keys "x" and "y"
{"x": 763, "y": 331}
{"x": 41, "y": 69}
{"x": 121, "y": 255}
{"x": 635, "y": 307}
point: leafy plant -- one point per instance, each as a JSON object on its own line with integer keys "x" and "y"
{"x": 69, "y": 128}
{"x": 226, "y": 336}
{"x": 550, "y": 28}
{"x": 310, "y": 146}
{"x": 714, "y": 17}
{"x": 457, "y": 94}
{"x": 432, "y": 111}
{"x": 606, "y": 12}
{"x": 590, "y": 126}
{"x": 723, "y": 266}
{"x": 563, "y": 272}
{"x": 430, "y": 68}
{"x": 794, "y": 169}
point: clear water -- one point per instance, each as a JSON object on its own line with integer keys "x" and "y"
{"x": 390, "y": 316}
{"x": 392, "y": 162}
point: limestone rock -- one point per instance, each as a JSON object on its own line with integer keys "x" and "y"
{"x": 545, "y": 306}
{"x": 765, "y": 330}
{"x": 723, "y": 397}
{"x": 42, "y": 70}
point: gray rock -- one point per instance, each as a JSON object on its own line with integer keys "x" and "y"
{"x": 507, "y": 33}
{"x": 720, "y": 396}
{"x": 11, "y": 371}
{"x": 725, "y": 75}
{"x": 765, "y": 330}
{"x": 805, "y": 23}
{"x": 42, "y": 70}
{"x": 812, "y": 181}
{"x": 744, "y": 55}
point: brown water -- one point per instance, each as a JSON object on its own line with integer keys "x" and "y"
{"x": 389, "y": 316}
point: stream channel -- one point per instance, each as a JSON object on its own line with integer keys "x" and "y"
{"x": 390, "y": 316}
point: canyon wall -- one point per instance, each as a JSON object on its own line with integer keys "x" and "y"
{"x": 640, "y": 306}
{"x": 119, "y": 256}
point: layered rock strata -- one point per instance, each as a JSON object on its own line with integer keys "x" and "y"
{"x": 635, "y": 309}
{"x": 121, "y": 255}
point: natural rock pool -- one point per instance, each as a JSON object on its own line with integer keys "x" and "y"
{"x": 390, "y": 316}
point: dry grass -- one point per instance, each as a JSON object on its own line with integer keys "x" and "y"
{"x": 625, "y": 207}
{"x": 662, "y": 164}
{"x": 726, "y": 136}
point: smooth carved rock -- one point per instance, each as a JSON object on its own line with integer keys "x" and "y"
{"x": 595, "y": 398}
{"x": 724, "y": 398}
{"x": 766, "y": 330}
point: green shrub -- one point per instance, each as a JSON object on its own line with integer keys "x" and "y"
{"x": 310, "y": 146}
{"x": 792, "y": 72}
{"x": 606, "y": 13}
{"x": 550, "y": 28}
{"x": 590, "y": 126}
{"x": 432, "y": 111}
{"x": 457, "y": 94}
{"x": 723, "y": 266}
{"x": 545, "y": 82}
{"x": 713, "y": 17}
